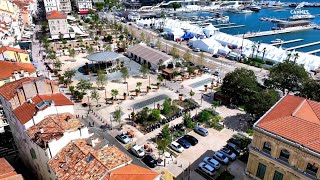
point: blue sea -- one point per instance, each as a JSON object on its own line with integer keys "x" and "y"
{"x": 253, "y": 24}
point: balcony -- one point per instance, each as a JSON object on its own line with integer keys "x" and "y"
{"x": 308, "y": 174}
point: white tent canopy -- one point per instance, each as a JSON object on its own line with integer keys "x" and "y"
{"x": 207, "y": 45}
{"x": 210, "y": 30}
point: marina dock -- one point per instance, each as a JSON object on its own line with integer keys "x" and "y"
{"x": 287, "y": 42}
{"x": 304, "y": 45}
{"x": 229, "y": 27}
{"x": 226, "y": 24}
{"x": 275, "y": 32}
{"x": 314, "y": 51}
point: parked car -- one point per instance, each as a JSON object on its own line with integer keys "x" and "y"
{"x": 227, "y": 152}
{"x": 207, "y": 168}
{"x": 201, "y": 131}
{"x": 184, "y": 143}
{"x": 192, "y": 140}
{"x": 137, "y": 151}
{"x": 221, "y": 157}
{"x": 149, "y": 161}
{"x": 196, "y": 50}
{"x": 216, "y": 73}
{"x": 233, "y": 148}
{"x": 176, "y": 146}
{"x": 216, "y": 55}
{"x": 212, "y": 162}
{"x": 235, "y": 141}
{"x": 125, "y": 139}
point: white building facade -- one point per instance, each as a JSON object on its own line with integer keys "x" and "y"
{"x": 51, "y": 5}
{"x": 84, "y": 6}
{"x": 65, "y": 6}
{"x": 58, "y": 24}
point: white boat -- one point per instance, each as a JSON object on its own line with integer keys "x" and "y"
{"x": 301, "y": 17}
{"x": 244, "y": 11}
{"x": 276, "y": 41}
{"x": 223, "y": 19}
{"x": 254, "y": 7}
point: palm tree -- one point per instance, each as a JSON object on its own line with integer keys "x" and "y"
{"x": 139, "y": 84}
{"x": 258, "y": 46}
{"x": 289, "y": 56}
{"x": 95, "y": 95}
{"x": 296, "y": 56}
{"x": 263, "y": 52}
{"x": 254, "y": 46}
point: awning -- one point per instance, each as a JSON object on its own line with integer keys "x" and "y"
{"x": 84, "y": 12}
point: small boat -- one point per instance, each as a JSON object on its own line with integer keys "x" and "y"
{"x": 276, "y": 41}
{"x": 317, "y": 27}
{"x": 301, "y": 17}
{"x": 244, "y": 11}
{"x": 254, "y": 8}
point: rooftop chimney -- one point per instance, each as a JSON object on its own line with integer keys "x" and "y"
{"x": 41, "y": 130}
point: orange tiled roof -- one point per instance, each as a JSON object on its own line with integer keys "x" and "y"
{"x": 296, "y": 119}
{"x": 132, "y": 172}
{"x": 56, "y": 15}
{"x": 77, "y": 160}
{"x": 25, "y": 112}
{"x": 53, "y": 127}
{"x": 7, "y": 48}
{"x": 7, "y": 68}
{"x": 7, "y": 172}
{"x": 9, "y": 90}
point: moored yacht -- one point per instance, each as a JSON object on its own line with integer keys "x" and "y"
{"x": 301, "y": 17}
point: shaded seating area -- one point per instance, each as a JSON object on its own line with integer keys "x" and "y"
{"x": 105, "y": 59}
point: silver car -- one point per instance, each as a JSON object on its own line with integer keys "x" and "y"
{"x": 207, "y": 168}
{"x": 212, "y": 162}
{"x": 227, "y": 152}
{"x": 125, "y": 139}
{"x": 201, "y": 131}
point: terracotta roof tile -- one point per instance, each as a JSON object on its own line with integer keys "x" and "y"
{"x": 53, "y": 127}
{"x": 9, "y": 90}
{"x": 7, "y": 172}
{"x": 7, "y": 68}
{"x": 25, "y": 112}
{"x": 7, "y": 48}
{"x": 77, "y": 160}
{"x": 295, "y": 119}
{"x": 132, "y": 172}
{"x": 56, "y": 15}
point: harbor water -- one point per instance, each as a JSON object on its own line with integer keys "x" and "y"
{"x": 253, "y": 24}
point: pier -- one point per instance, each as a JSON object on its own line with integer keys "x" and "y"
{"x": 275, "y": 32}
{"x": 287, "y": 42}
{"x": 314, "y": 51}
{"x": 229, "y": 27}
{"x": 304, "y": 45}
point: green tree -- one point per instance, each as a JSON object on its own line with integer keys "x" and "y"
{"x": 51, "y": 56}
{"x": 69, "y": 73}
{"x": 101, "y": 79}
{"x": 154, "y": 116}
{"x": 287, "y": 76}
{"x": 311, "y": 90}
{"x": 239, "y": 86}
{"x": 166, "y": 134}
{"x": 158, "y": 44}
{"x": 187, "y": 121}
{"x": 175, "y": 5}
{"x": 57, "y": 64}
{"x": 72, "y": 53}
{"x": 142, "y": 36}
{"x": 215, "y": 104}
{"x": 166, "y": 109}
{"x": 162, "y": 145}
{"x": 90, "y": 50}
{"x": 261, "y": 102}
{"x": 114, "y": 93}
{"x": 107, "y": 47}
{"x": 84, "y": 85}
{"x": 187, "y": 56}
{"x": 191, "y": 93}
{"x": 139, "y": 84}
{"x": 201, "y": 58}
{"x": 99, "y": 5}
{"x": 124, "y": 73}
{"x": 117, "y": 115}
{"x": 144, "y": 69}
{"x": 204, "y": 116}
{"x": 175, "y": 52}
{"x": 95, "y": 95}
{"x": 142, "y": 116}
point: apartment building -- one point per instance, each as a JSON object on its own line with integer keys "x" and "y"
{"x": 65, "y": 6}
{"x": 286, "y": 142}
{"x": 8, "y": 53}
{"x": 83, "y": 6}
{"x": 58, "y": 24}
{"x": 51, "y": 5}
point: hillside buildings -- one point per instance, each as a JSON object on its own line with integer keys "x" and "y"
{"x": 7, "y": 172}
{"x": 58, "y": 24}
{"x": 13, "y": 54}
{"x": 12, "y": 71}
{"x": 83, "y": 6}
{"x": 286, "y": 142}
